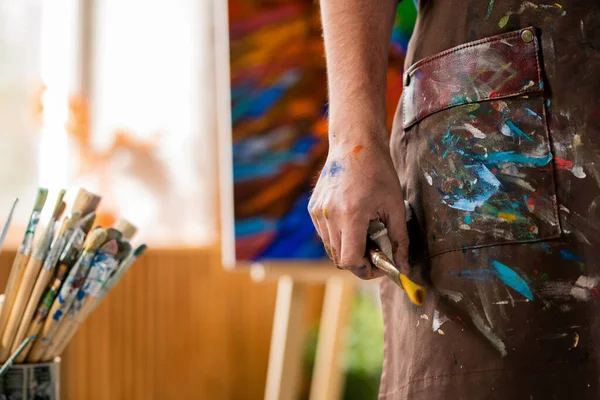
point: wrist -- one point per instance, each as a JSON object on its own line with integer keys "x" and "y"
{"x": 363, "y": 132}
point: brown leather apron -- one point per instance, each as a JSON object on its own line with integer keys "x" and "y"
{"x": 497, "y": 146}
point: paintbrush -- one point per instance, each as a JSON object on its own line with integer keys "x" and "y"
{"x": 32, "y": 270}
{"x": 113, "y": 234}
{"x": 416, "y": 293}
{"x": 18, "y": 266}
{"x": 43, "y": 279}
{"x": 127, "y": 228}
{"x": 68, "y": 258}
{"x": 9, "y": 362}
{"x": 86, "y": 202}
{"x": 96, "y": 300}
{"x": 7, "y": 223}
{"x": 122, "y": 269}
{"x": 67, "y": 293}
{"x": 104, "y": 264}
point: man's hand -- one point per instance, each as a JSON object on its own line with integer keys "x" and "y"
{"x": 358, "y": 184}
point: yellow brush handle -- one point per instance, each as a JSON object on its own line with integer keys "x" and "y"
{"x": 416, "y": 293}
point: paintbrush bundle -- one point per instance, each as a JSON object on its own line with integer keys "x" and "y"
{"x": 54, "y": 285}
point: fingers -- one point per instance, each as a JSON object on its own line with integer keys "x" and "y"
{"x": 316, "y": 215}
{"x": 353, "y": 250}
{"x": 395, "y": 222}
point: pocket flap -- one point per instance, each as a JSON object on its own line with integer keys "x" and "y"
{"x": 492, "y": 68}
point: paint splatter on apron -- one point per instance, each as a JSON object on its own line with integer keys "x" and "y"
{"x": 497, "y": 145}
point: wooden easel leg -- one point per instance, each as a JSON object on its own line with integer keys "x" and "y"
{"x": 287, "y": 341}
{"x": 328, "y": 375}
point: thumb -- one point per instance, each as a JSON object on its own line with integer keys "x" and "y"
{"x": 396, "y": 225}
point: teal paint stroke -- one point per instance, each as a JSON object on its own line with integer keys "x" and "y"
{"x": 512, "y": 279}
{"x": 502, "y": 272}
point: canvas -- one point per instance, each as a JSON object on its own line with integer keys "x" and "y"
{"x": 279, "y": 121}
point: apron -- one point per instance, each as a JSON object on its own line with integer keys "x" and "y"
{"x": 497, "y": 146}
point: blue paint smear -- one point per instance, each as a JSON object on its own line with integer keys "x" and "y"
{"x": 468, "y": 219}
{"x": 531, "y": 112}
{"x": 512, "y": 279}
{"x": 258, "y": 104}
{"x": 511, "y": 156}
{"x": 477, "y": 275}
{"x": 57, "y": 315}
{"x": 272, "y": 162}
{"x": 487, "y": 185}
{"x": 567, "y": 255}
{"x": 517, "y": 130}
{"x": 546, "y": 248}
{"x": 252, "y": 226}
{"x": 296, "y": 236}
{"x": 335, "y": 168}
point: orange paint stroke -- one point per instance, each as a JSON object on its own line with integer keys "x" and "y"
{"x": 357, "y": 149}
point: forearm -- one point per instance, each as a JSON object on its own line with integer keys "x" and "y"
{"x": 357, "y": 37}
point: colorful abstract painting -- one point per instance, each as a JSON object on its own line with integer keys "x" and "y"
{"x": 278, "y": 113}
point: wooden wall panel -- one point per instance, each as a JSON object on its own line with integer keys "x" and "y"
{"x": 177, "y": 327}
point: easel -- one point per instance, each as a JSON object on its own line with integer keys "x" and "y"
{"x": 287, "y": 339}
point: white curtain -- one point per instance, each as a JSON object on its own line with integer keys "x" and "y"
{"x": 152, "y": 117}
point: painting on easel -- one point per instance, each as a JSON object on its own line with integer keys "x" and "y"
{"x": 278, "y": 121}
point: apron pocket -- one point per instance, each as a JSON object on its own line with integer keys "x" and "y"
{"x": 479, "y": 168}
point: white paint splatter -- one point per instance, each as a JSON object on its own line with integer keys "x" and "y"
{"x": 506, "y": 131}
{"x": 452, "y": 295}
{"x": 581, "y": 289}
{"x": 575, "y": 340}
{"x": 530, "y": 84}
{"x": 555, "y": 336}
{"x": 487, "y": 332}
{"x": 501, "y": 302}
{"x": 441, "y": 332}
{"x": 424, "y": 316}
{"x": 518, "y": 181}
{"x": 580, "y": 294}
{"x": 475, "y": 132}
{"x": 438, "y": 320}
{"x": 578, "y": 172}
{"x": 588, "y": 282}
{"x": 465, "y": 227}
{"x": 428, "y": 178}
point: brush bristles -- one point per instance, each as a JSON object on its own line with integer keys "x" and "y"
{"x": 66, "y": 225}
{"x": 110, "y": 247}
{"x": 40, "y": 199}
{"x": 87, "y": 222}
{"x": 75, "y": 218}
{"x": 127, "y": 228}
{"x": 96, "y": 238}
{"x": 60, "y": 211}
{"x": 113, "y": 234}
{"x": 92, "y": 205}
{"x": 59, "y": 207}
{"x": 140, "y": 250}
{"x": 124, "y": 250}
{"x": 86, "y": 202}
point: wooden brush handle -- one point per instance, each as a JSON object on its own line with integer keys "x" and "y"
{"x": 10, "y": 293}
{"x": 40, "y": 285}
{"x": 24, "y": 291}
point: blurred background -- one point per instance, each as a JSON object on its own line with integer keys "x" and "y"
{"x": 136, "y": 100}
